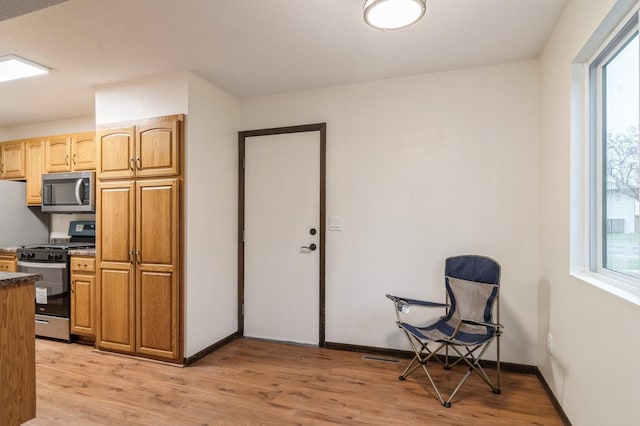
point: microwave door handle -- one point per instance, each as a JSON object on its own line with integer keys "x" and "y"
{"x": 78, "y": 187}
{"x": 46, "y": 194}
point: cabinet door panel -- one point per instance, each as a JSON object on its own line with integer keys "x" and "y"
{"x": 116, "y": 289}
{"x": 157, "y": 221}
{"x": 115, "y": 153}
{"x": 35, "y": 167}
{"x": 157, "y": 149}
{"x": 157, "y": 295}
{"x": 82, "y": 303}
{"x": 116, "y": 230}
{"x": 116, "y": 294}
{"x": 156, "y": 314}
{"x": 13, "y": 160}
{"x": 84, "y": 151}
{"x": 58, "y": 154}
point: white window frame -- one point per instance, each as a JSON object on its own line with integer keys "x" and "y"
{"x": 615, "y": 43}
{"x": 586, "y": 221}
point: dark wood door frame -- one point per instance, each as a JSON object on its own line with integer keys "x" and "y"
{"x": 319, "y": 127}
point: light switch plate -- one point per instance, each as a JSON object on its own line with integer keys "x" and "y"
{"x": 335, "y": 223}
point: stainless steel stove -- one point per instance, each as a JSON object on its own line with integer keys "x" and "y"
{"x": 53, "y": 294}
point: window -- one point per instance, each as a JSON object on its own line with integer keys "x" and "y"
{"x": 614, "y": 195}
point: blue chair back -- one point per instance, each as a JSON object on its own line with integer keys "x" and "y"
{"x": 478, "y": 269}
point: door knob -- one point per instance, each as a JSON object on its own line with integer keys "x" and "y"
{"x": 311, "y": 247}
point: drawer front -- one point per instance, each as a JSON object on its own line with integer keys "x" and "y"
{"x": 83, "y": 264}
{"x": 8, "y": 265}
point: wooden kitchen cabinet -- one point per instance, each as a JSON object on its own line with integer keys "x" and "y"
{"x": 115, "y": 153}
{"x": 115, "y": 242}
{"x": 35, "y": 167}
{"x": 12, "y": 160}
{"x": 138, "y": 258}
{"x": 83, "y": 302}
{"x": 58, "y": 154}
{"x": 67, "y": 153}
{"x": 157, "y": 149}
{"x": 157, "y": 285}
{"x": 18, "y": 356}
{"x": 83, "y": 151}
{"x": 29, "y": 159}
{"x": 8, "y": 262}
{"x": 149, "y": 149}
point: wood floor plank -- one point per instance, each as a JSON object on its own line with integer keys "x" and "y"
{"x": 253, "y": 382}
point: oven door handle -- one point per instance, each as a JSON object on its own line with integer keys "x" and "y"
{"x": 52, "y": 265}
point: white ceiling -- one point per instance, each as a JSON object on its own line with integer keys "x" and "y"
{"x": 248, "y": 47}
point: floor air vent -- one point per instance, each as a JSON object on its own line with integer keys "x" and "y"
{"x": 380, "y": 359}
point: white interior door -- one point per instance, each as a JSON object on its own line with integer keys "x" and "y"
{"x": 282, "y": 214}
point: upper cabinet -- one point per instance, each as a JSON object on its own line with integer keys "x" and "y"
{"x": 116, "y": 153}
{"x": 29, "y": 159}
{"x": 35, "y": 167}
{"x": 83, "y": 151}
{"x": 58, "y": 154}
{"x": 146, "y": 150}
{"x": 68, "y": 153}
{"x": 12, "y": 160}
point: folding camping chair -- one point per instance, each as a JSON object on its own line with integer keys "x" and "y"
{"x": 472, "y": 286}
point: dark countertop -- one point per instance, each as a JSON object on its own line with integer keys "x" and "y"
{"x": 8, "y": 249}
{"x": 72, "y": 252}
{"x": 82, "y": 252}
{"x": 8, "y": 279}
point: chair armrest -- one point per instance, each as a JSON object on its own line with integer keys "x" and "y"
{"x": 401, "y": 301}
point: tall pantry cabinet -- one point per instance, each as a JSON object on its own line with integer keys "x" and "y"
{"x": 139, "y": 209}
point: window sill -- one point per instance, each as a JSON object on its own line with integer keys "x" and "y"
{"x": 621, "y": 290}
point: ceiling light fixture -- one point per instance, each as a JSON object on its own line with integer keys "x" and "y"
{"x": 393, "y": 14}
{"x": 13, "y": 67}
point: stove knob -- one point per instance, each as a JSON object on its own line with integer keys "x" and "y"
{"x": 23, "y": 255}
{"x": 50, "y": 257}
{"x": 58, "y": 257}
{"x": 31, "y": 255}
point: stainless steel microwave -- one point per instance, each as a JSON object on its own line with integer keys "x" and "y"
{"x": 69, "y": 192}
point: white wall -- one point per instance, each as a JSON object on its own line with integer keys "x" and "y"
{"x": 211, "y": 177}
{"x": 157, "y": 96}
{"x": 50, "y": 128}
{"x": 210, "y": 190}
{"x": 595, "y": 344}
{"x": 59, "y": 223}
{"x": 422, "y": 168}
{"x": 3, "y": 134}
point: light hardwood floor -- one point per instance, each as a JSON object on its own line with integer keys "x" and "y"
{"x": 252, "y": 382}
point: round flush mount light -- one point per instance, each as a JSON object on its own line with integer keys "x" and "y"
{"x": 393, "y": 14}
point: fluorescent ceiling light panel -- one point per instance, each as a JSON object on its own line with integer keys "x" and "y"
{"x": 393, "y": 14}
{"x": 13, "y": 67}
